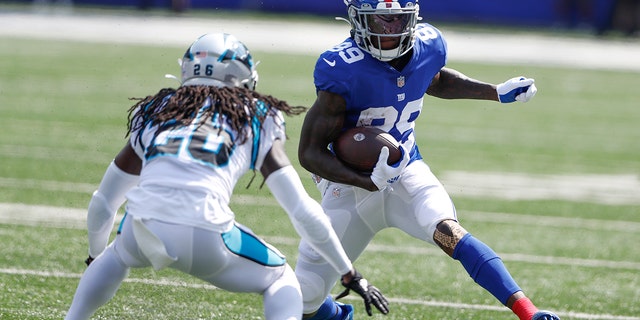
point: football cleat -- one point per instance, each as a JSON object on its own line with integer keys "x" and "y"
{"x": 333, "y": 310}
{"x": 347, "y": 310}
{"x": 372, "y": 19}
{"x": 545, "y": 315}
{"x": 218, "y": 59}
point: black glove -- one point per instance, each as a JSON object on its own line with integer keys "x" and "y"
{"x": 88, "y": 261}
{"x": 369, "y": 293}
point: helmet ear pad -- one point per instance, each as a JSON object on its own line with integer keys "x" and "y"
{"x": 219, "y": 59}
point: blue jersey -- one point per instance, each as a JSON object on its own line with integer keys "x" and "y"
{"x": 378, "y": 95}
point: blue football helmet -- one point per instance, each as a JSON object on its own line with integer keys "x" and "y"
{"x": 373, "y": 22}
{"x": 218, "y": 59}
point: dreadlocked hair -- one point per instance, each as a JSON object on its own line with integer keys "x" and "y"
{"x": 182, "y": 105}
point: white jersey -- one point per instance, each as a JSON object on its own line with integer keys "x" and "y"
{"x": 189, "y": 172}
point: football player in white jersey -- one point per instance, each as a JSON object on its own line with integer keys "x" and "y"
{"x": 187, "y": 149}
{"x": 378, "y": 77}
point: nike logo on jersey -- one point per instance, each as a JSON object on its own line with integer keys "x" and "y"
{"x": 330, "y": 63}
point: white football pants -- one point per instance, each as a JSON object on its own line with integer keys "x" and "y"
{"x": 415, "y": 204}
{"x": 198, "y": 252}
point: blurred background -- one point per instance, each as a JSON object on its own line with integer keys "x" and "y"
{"x": 599, "y": 17}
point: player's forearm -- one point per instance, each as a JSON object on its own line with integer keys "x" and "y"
{"x": 307, "y": 217}
{"x": 327, "y": 166}
{"x": 452, "y": 84}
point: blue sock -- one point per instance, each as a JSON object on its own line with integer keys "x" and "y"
{"x": 327, "y": 311}
{"x": 485, "y": 267}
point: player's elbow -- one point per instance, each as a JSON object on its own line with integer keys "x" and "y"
{"x": 305, "y": 158}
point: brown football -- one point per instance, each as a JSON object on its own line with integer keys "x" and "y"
{"x": 359, "y": 148}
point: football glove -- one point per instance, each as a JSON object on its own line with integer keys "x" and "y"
{"x": 89, "y": 260}
{"x": 370, "y": 294}
{"x": 516, "y": 89}
{"x": 383, "y": 174}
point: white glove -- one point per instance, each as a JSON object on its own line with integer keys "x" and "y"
{"x": 516, "y": 89}
{"x": 383, "y": 174}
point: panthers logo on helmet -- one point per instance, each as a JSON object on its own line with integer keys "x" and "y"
{"x": 219, "y": 59}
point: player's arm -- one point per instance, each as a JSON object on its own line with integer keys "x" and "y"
{"x": 307, "y": 216}
{"x": 452, "y": 84}
{"x": 322, "y": 125}
{"x": 121, "y": 175}
{"x": 313, "y": 225}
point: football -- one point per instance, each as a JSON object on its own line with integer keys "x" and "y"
{"x": 359, "y": 148}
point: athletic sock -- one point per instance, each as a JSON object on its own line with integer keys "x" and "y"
{"x": 485, "y": 267}
{"x": 524, "y": 308}
{"x": 327, "y": 311}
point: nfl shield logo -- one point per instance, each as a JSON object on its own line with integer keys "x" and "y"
{"x": 400, "y": 82}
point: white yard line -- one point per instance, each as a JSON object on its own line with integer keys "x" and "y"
{"x": 621, "y": 189}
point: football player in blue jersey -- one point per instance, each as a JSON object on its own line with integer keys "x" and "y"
{"x": 187, "y": 149}
{"x": 378, "y": 77}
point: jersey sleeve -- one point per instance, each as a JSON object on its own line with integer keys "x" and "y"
{"x": 135, "y": 136}
{"x": 273, "y": 128}
{"x": 434, "y": 40}
{"x": 331, "y": 72}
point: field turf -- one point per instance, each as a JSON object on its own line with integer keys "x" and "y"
{"x": 63, "y": 116}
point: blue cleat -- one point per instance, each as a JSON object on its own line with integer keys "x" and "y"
{"x": 545, "y": 315}
{"x": 333, "y": 310}
{"x": 346, "y": 311}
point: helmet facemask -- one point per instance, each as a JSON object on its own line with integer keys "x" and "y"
{"x": 374, "y": 28}
{"x": 219, "y": 60}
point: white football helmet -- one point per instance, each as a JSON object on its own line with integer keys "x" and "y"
{"x": 218, "y": 59}
{"x": 372, "y": 19}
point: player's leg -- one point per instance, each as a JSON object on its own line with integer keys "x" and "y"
{"x": 487, "y": 269}
{"x": 103, "y": 277}
{"x": 283, "y": 298}
{"x": 98, "y": 285}
{"x": 436, "y": 220}
{"x": 315, "y": 275}
{"x": 239, "y": 261}
{"x": 481, "y": 263}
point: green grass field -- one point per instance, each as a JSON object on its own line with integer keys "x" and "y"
{"x": 63, "y": 113}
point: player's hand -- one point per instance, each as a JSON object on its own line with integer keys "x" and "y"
{"x": 370, "y": 294}
{"x": 516, "y": 89}
{"x": 383, "y": 174}
{"x": 89, "y": 260}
